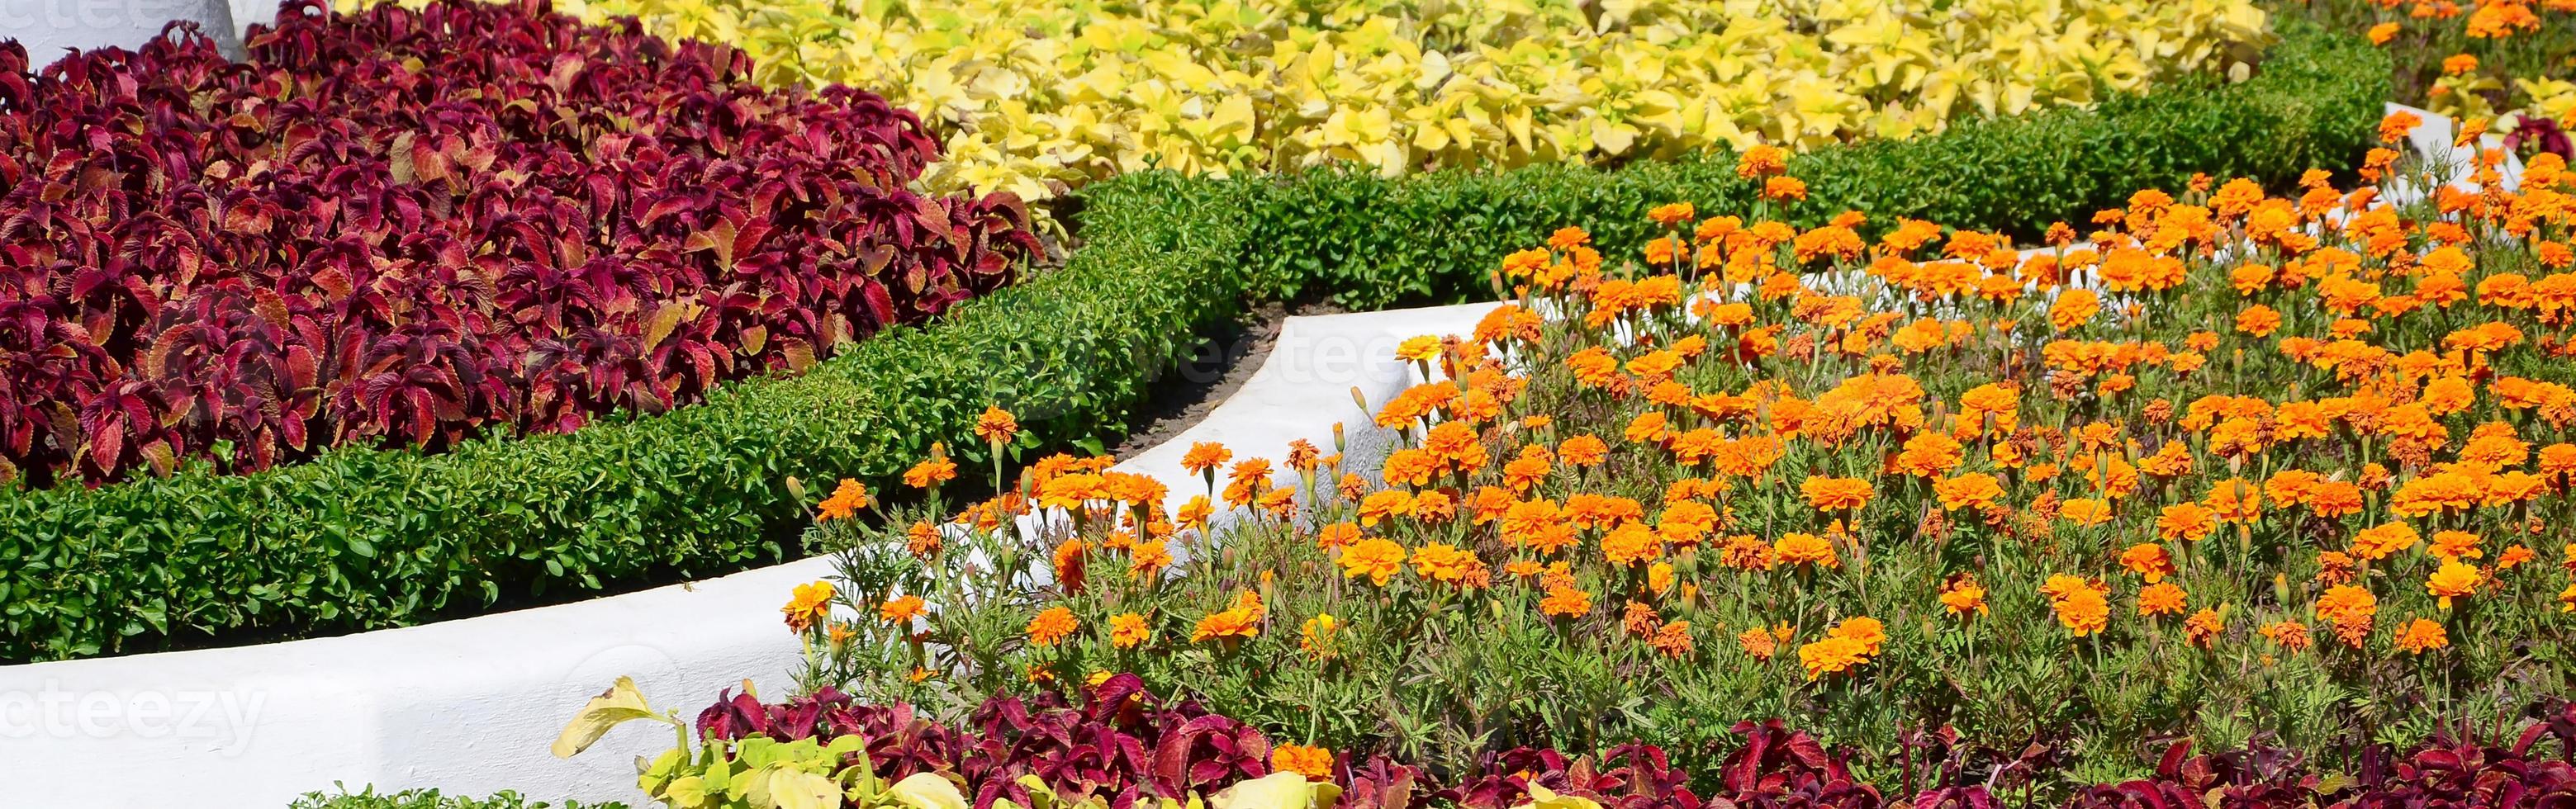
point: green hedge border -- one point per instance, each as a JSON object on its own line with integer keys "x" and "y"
{"x": 367, "y": 538}
{"x": 1374, "y": 242}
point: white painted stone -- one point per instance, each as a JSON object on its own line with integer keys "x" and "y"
{"x": 49, "y": 27}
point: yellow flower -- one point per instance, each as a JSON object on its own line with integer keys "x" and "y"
{"x": 1424, "y": 348}
{"x": 1963, "y": 595}
{"x": 2454, "y": 580}
{"x": 1315, "y": 637}
{"x": 810, "y": 604}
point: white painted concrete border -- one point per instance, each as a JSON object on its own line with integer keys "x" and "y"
{"x": 469, "y": 706}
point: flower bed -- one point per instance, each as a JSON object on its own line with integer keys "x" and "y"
{"x": 1119, "y": 747}
{"x": 403, "y": 229}
{"x": 1035, "y": 97}
{"x": 1372, "y": 242}
{"x": 2504, "y": 61}
{"x": 2238, "y": 467}
{"x": 363, "y": 538}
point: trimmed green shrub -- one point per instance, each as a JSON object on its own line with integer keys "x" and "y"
{"x": 431, "y": 799}
{"x": 368, "y": 538}
{"x": 362, "y": 538}
{"x": 1372, "y": 241}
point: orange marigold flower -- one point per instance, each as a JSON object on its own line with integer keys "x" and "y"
{"x": 2203, "y": 627}
{"x": 1243, "y": 620}
{"x": 1630, "y": 543}
{"x": 1205, "y": 456}
{"x": 2161, "y": 598}
{"x": 996, "y": 426}
{"x": 932, "y": 471}
{"x": 1672, "y": 213}
{"x": 2454, "y": 579}
{"x": 1052, "y": 626}
{"x": 2148, "y": 560}
{"x": 845, "y": 502}
{"x": 1384, "y": 504}
{"x": 1833, "y": 654}
{"x": 2258, "y": 320}
{"x": 1864, "y": 630}
{"x": 1583, "y": 450}
{"x": 1315, "y": 763}
{"x": 1929, "y": 454}
{"x": 2397, "y": 125}
{"x": 1759, "y": 643}
{"x": 2380, "y": 541}
{"x": 1976, "y": 489}
{"x": 922, "y": 539}
{"x": 1962, "y": 595}
{"x": 2350, "y": 608}
{"x": 1378, "y": 559}
{"x": 2084, "y": 611}
{"x": 2186, "y": 521}
{"x": 1836, "y": 494}
{"x": 1566, "y": 602}
{"x": 1128, "y": 630}
{"x": 1440, "y": 561}
{"x": 2422, "y": 635}
{"x": 901, "y": 609}
{"x": 2084, "y": 512}
{"x": 2073, "y": 308}
{"x": 2514, "y": 555}
{"x": 1337, "y": 535}
{"x": 1761, "y": 160}
{"x": 1673, "y": 639}
{"x": 2235, "y": 500}
{"x": 2454, "y": 545}
{"x": 809, "y": 604}
{"x": 2335, "y": 498}
{"x": 1805, "y": 549}
{"x": 2289, "y": 635}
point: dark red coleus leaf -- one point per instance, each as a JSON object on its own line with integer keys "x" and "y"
{"x": 410, "y": 227}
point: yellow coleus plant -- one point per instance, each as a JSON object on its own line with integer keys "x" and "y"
{"x": 1034, "y": 96}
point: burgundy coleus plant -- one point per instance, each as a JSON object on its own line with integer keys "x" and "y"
{"x": 1123, "y": 745}
{"x": 1781, "y": 768}
{"x": 405, "y": 228}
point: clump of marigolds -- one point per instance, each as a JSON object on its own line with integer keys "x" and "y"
{"x": 2221, "y": 463}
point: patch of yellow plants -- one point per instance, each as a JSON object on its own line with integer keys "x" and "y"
{"x": 1034, "y": 96}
